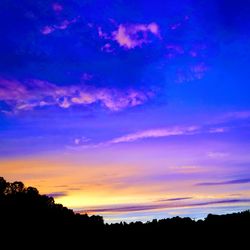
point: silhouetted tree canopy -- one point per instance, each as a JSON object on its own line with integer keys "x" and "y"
{"x": 27, "y": 215}
{"x": 20, "y": 204}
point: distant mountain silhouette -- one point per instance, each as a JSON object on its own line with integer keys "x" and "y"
{"x": 27, "y": 218}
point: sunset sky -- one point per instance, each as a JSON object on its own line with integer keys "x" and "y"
{"x": 129, "y": 109}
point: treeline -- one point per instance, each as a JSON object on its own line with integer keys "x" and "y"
{"x": 28, "y": 216}
{"x": 25, "y": 206}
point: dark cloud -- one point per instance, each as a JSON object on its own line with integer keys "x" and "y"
{"x": 175, "y": 199}
{"x": 57, "y": 194}
{"x": 74, "y": 188}
{"x": 235, "y": 181}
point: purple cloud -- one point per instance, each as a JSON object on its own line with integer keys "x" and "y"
{"x": 60, "y": 26}
{"x": 34, "y": 93}
{"x": 57, "y": 194}
{"x": 175, "y": 26}
{"x": 149, "y": 207}
{"x": 236, "y": 181}
{"x": 134, "y": 35}
{"x": 57, "y": 7}
{"x": 173, "y": 50}
{"x": 47, "y": 30}
{"x": 193, "y": 72}
{"x": 107, "y": 48}
{"x": 130, "y": 36}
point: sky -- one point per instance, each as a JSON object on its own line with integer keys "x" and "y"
{"x": 132, "y": 110}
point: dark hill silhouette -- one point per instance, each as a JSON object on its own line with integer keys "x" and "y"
{"x": 27, "y": 218}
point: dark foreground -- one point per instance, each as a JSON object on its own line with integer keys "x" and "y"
{"x": 28, "y": 219}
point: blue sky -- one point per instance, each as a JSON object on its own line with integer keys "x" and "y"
{"x": 122, "y": 103}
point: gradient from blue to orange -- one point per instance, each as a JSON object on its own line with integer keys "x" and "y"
{"x": 130, "y": 109}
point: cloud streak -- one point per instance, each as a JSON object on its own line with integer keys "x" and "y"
{"x": 151, "y": 133}
{"x": 31, "y": 94}
{"x": 57, "y": 194}
{"x": 150, "y": 207}
{"x": 230, "y": 182}
{"x": 217, "y": 155}
{"x": 175, "y": 199}
{"x": 156, "y": 133}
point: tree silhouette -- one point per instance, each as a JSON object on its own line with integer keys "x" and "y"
{"x": 28, "y": 216}
{"x": 3, "y": 184}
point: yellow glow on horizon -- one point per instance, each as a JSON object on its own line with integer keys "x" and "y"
{"x": 86, "y": 185}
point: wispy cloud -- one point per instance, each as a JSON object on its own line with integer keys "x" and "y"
{"x": 62, "y": 25}
{"x": 81, "y": 140}
{"x": 151, "y": 133}
{"x": 193, "y": 72}
{"x": 46, "y": 30}
{"x": 217, "y": 155}
{"x": 218, "y": 130}
{"x": 34, "y": 93}
{"x": 186, "y": 169}
{"x": 156, "y": 133}
{"x": 230, "y": 182}
{"x": 238, "y": 115}
{"x": 233, "y": 116}
{"x": 173, "y": 50}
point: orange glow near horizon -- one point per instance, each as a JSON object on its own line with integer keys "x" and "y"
{"x": 82, "y": 187}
